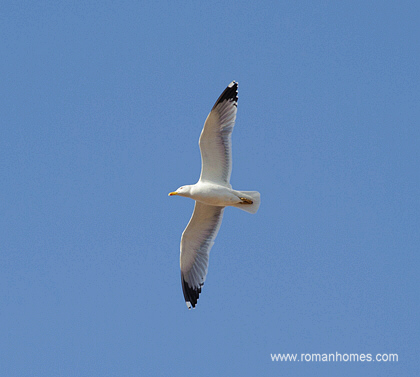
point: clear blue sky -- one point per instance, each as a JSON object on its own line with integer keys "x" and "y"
{"x": 102, "y": 104}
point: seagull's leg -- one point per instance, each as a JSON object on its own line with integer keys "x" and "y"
{"x": 246, "y": 201}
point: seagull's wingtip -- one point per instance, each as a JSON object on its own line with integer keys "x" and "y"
{"x": 229, "y": 94}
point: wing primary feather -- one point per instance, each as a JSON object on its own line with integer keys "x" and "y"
{"x": 190, "y": 294}
{"x": 230, "y": 94}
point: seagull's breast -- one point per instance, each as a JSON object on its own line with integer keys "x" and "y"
{"x": 213, "y": 194}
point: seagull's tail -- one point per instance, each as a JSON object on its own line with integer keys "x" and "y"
{"x": 254, "y": 196}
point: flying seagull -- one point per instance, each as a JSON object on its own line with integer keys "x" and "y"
{"x": 212, "y": 193}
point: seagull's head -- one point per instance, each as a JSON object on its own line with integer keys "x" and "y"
{"x": 182, "y": 191}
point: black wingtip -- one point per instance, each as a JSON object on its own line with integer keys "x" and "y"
{"x": 190, "y": 294}
{"x": 229, "y": 94}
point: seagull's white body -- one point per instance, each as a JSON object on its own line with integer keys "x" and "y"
{"x": 212, "y": 193}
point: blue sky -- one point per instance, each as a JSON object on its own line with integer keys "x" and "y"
{"x": 102, "y": 105}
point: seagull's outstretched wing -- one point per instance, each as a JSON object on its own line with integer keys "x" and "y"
{"x": 215, "y": 140}
{"x": 196, "y": 242}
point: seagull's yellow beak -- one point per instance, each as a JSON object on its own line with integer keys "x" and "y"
{"x": 172, "y": 193}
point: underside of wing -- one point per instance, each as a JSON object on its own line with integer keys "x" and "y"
{"x": 215, "y": 140}
{"x": 196, "y": 242}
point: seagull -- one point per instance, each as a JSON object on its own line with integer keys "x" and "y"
{"x": 212, "y": 193}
